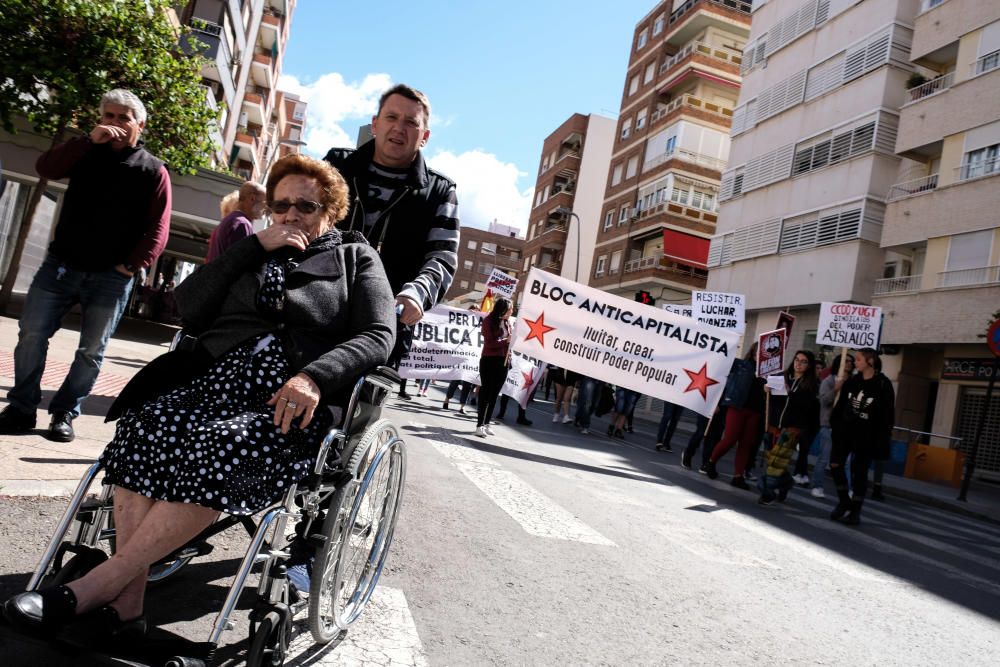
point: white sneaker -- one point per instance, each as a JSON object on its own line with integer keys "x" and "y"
{"x": 801, "y": 479}
{"x": 481, "y": 432}
{"x": 567, "y": 419}
{"x": 817, "y": 492}
{"x": 584, "y": 431}
{"x": 555, "y": 418}
{"x": 488, "y": 430}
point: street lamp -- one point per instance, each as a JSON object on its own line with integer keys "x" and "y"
{"x": 568, "y": 212}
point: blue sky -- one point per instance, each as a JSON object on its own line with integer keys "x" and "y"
{"x": 500, "y": 77}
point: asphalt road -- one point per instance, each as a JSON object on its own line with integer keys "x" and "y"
{"x": 541, "y": 546}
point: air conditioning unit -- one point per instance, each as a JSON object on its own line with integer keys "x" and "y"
{"x": 898, "y": 269}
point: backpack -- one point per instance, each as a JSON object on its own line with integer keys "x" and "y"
{"x": 739, "y": 383}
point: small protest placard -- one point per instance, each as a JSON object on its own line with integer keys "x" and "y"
{"x": 683, "y": 311}
{"x": 771, "y": 352}
{"x": 848, "y": 325}
{"x": 720, "y": 309}
{"x": 776, "y": 384}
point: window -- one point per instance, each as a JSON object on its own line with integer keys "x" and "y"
{"x": 658, "y": 25}
{"x": 626, "y": 127}
{"x": 464, "y": 284}
{"x": 648, "y": 76}
{"x": 623, "y": 215}
{"x": 969, "y": 251}
{"x": 703, "y": 200}
{"x": 633, "y": 85}
{"x": 981, "y": 162}
{"x": 601, "y": 261}
{"x": 835, "y": 147}
{"x": 679, "y": 196}
{"x": 609, "y": 220}
{"x": 485, "y": 268}
{"x": 538, "y": 198}
{"x": 616, "y": 262}
{"x": 472, "y": 245}
{"x": 632, "y": 166}
{"x": 641, "y": 41}
{"x": 467, "y": 265}
{"x": 489, "y": 248}
{"x": 616, "y": 175}
{"x": 640, "y": 119}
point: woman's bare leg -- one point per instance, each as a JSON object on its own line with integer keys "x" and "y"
{"x": 130, "y": 510}
{"x": 165, "y": 527}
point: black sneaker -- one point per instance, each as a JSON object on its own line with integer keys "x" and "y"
{"x": 403, "y": 395}
{"x": 619, "y": 434}
{"x": 61, "y": 427}
{"x": 664, "y": 447}
{"x": 840, "y": 510}
{"x": 710, "y": 470}
{"x": 15, "y": 422}
{"x": 739, "y": 483}
{"x": 782, "y": 495}
{"x": 686, "y": 460}
{"x": 524, "y": 422}
{"x": 703, "y": 469}
{"x": 765, "y": 500}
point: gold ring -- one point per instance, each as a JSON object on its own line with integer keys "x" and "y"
{"x": 282, "y": 398}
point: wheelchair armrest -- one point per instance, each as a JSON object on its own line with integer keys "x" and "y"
{"x": 182, "y": 341}
{"x": 384, "y": 377}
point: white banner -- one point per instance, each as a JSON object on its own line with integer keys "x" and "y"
{"x": 623, "y": 342}
{"x": 719, "y": 309}
{"x": 848, "y": 325}
{"x": 447, "y": 344}
{"x": 501, "y": 284}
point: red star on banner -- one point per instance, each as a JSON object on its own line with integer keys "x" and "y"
{"x": 528, "y": 379}
{"x": 538, "y": 329}
{"x": 700, "y": 381}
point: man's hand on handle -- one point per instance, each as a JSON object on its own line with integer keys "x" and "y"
{"x": 412, "y": 312}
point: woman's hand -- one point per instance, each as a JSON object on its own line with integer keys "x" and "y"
{"x": 277, "y": 236}
{"x": 296, "y": 398}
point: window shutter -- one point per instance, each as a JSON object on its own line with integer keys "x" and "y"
{"x": 824, "y": 77}
{"x": 739, "y": 120}
{"x": 877, "y": 50}
{"x": 726, "y": 185}
{"x": 822, "y": 12}
{"x": 854, "y": 62}
{"x": 885, "y": 132}
{"x": 715, "y": 250}
{"x": 862, "y": 138}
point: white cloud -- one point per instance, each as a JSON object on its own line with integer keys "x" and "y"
{"x": 337, "y": 108}
{"x": 487, "y": 188}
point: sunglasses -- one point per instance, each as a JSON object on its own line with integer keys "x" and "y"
{"x": 304, "y": 206}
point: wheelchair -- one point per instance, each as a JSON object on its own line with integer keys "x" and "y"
{"x": 346, "y": 508}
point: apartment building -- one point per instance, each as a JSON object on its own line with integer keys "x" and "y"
{"x": 941, "y": 233}
{"x": 244, "y": 43}
{"x": 671, "y": 145}
{"x": 479, "y": 251}
{"x": 569, "y": 190}
{"x": 812, "y": 158}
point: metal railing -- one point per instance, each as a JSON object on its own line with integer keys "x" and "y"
{"x": 693, "y": 102}
{"x": 743, "y": 6}
{"x": 914, "y": 187}
{"x": 686, "y": 156}
{"x": 926, "y": 438}
{"x": 643, "y": 263}
{"x": 984, "y": 275}
{"x": 897, "y": 285}
{"x": 699, "y": 48}
{"x": 987, "y": 63}
{"x": 943, "y": 82}
{"x": 979, "y": 169}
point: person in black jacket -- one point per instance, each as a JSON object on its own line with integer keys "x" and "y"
{"x": 281, "y": 333}
{"x": 407, "y": 211}
{"x": 861, "y": 423}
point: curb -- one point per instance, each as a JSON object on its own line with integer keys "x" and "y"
{"x": 938, "y": 503}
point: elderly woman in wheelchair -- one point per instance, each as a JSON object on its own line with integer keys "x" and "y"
{"x": 285, "y": 321}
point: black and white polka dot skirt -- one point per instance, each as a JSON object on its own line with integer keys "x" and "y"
{"x": 212, "y": 441}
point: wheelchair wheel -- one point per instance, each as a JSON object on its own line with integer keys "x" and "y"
{"x": 161, "y": 572}
{"x": 358, "y": 529}
{"x": 270, "y": 642}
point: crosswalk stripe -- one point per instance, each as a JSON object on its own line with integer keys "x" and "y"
{"x": 385, "y": 634}
{"x": 945, "y": 547}
{"x": 536, "y": 513}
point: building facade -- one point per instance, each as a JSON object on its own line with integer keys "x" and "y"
{"x": 478, "y": 253}
{"x": 671, "y": 144}
{"x": 566, "y": 210}
{"x": 941, "y": 234}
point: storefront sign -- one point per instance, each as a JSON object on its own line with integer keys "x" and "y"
{"x": 970, "y": 370}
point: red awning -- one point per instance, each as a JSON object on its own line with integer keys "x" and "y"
{"x": 685, "y": 248}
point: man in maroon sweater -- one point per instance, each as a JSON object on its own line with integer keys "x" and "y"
{"x": 114, "y": 221}
{"x": 238, "y": 224}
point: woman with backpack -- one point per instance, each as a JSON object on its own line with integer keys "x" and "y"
{"x": 862, "y": 422}
{"x": 744, "y": 396}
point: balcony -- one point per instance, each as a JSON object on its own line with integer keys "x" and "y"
{"x": 255, "y": 104}
{"x": 684, "y": 155}
{"x": 910, "y": 188}
{"x": 694, "y": 16}
{"x": 942, "y": 210}
{"x": 654, "y": 268}
{"x": 704, "y": 221}
{"x": 697, "y": 54}
{"x": 262, "y": 69}
{"x": 899, "y": 285}
{"x": 270, "y": 30}
{"x": 691, "y": 105}
{"x": 932, "y": 87}
{"x": 986, "y": 275}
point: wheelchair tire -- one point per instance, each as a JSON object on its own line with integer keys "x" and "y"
{"x": 359, "y": 527}
{"x": 159, "y": 573}
{"x": 270, "y": 642}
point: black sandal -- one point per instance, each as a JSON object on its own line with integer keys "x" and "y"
{"x": 44, "y": 610}
{"x": 104, "y": 623}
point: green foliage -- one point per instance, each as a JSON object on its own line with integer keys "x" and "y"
{"x": 58, "y": 57}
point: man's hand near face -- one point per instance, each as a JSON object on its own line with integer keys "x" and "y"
{"x": 102, "y": 134}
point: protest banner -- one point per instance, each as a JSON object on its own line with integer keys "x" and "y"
{"x": 523, "y": 376}
{"x": 848, "y": 325}
{"x": 447, "y": 343}
{"x": 629, "y": 344}
{"x": 720, "y": 309}
{"x": 499, "y": 284}
{"x": 683, "y": 311}
{"x": 786, "y": 321}
{"x": 771, "y": 352}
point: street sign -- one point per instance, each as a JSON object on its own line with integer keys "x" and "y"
{"x": 993, "y": 338}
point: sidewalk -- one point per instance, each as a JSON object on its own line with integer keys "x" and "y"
{"x": 30, "y": 465}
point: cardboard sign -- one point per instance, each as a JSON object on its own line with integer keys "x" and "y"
{"x": 628, "y": 344}
{"x": 501, "y": 284}
{"x": 771, "y": 352}
{"x": 848, "y": 325}
{"x": 786, "y": 321}
{"x": 683, "y": 311}
{"x": 719, "y": 309}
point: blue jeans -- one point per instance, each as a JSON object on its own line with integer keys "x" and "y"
{"x": 825, "y": 445}
{"x": 668, "y": 423}
{"x": 55, "y": 289}
{"x": 585, "y": 400}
